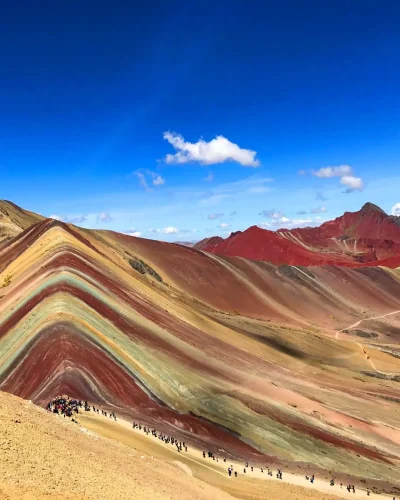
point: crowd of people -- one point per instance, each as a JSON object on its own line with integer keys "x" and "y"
{"x": 64, "y": 405}
{"x": 180, "y": 445}
{"x": 69, "y": 407}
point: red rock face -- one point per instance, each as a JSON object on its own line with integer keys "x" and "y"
{"x": 368, "y": 236}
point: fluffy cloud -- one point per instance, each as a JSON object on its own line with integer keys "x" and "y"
{"x": 218, "y": 150}
{"x": 302, "y": 212}
{"x": 352, "y": 183}
{"x": 319, "y": 210}
{"x": 104, "y": 217}
{"x": 396, "y": 209}
{"x": 345, "y": 172}
{"x": 224, "y": 225}
{"x": 210, "y": 177}
{"x": 214, "y": 216}
{"x": 158, "y": 180}
{"x": 327, "y": 172}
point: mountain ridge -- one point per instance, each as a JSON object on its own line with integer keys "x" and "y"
{"x": 365, "y": 237}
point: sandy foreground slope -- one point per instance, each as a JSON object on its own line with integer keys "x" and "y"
{"x": 47, "y": 456}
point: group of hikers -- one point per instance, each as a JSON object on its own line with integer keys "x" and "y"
{"x": 64, "y": 405}
{"x": 68, "y": 407}
{"x": 180, "y": 445}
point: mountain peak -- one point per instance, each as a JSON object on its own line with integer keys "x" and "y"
{"x": 369, "y": 207}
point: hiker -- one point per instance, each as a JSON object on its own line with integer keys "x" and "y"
{"x": 229, "y": 471}
{"x": 235, "y": 473}
{"x": 251, "y": 468}
{"x": 204, "y": 454}
{"x": 247, "y": 464}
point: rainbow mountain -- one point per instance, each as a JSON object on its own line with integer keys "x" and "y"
{"x": 277, "y": 364}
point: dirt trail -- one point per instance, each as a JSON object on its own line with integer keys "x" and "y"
{"x": 369, "y": 319}
{"x": 354, "y": 325}
{"x": 215, "y": 473}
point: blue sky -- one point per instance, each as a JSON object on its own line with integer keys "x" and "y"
{"x": 296, "y": 107}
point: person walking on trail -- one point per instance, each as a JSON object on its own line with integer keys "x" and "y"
{"x": 235, "y": 473}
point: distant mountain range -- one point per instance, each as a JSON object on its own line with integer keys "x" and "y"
{"x": 368, "y": 237}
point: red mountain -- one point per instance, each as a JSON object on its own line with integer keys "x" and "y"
{"x": 367, "y": 236}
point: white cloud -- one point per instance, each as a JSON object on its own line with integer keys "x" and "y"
{"x": 302, "y": 212}
{"x": 328, "y": 172}
{"x": 132, "y": 232}
{"x": 155, "y": 178}
{"x": 158, "y": 180}
{"x": 352, "y": 183}
{"x": 224, "y": 225}
{"x": 210, "y": 177}
{"x": 214, "y": 216}
{"x": 104, "y": 217}
{"x": 345, "y": 172}
{"x": 218, "y": 150}
{"x": 396, "y": 209}
{"x": 302, "y": 172}
{"x": 286, "y": 223}
{"x": 319, "y": 210}
{"x": 56, "y": 217}
{"x": 169, "y": 230}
